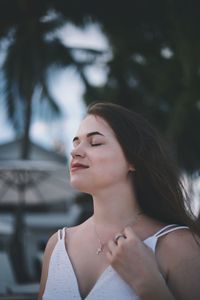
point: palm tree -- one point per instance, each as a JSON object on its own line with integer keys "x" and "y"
{"x": 34, "y": 49}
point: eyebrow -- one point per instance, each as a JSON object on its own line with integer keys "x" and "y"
{"x": 88, "y": 135}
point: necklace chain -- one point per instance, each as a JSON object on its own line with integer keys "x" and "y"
{"x": 101, "y": 247}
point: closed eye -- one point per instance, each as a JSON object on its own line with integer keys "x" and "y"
{"x": 95, "y": 145}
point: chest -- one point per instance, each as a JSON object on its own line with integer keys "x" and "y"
{"x": 88, "y": 267}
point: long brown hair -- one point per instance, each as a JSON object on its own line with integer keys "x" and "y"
{"x": 156, "y": 180}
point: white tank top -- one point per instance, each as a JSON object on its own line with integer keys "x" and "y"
{"x": 62, "y": 283}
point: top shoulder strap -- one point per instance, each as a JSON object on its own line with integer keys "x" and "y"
{"x": 152, "y": 240}
{"x": 61, "y": 234}
{"x": 168, "y": 229}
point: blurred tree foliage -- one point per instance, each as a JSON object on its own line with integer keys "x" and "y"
{"x": 155, "y": 61}
{"x": 33, "y": 53}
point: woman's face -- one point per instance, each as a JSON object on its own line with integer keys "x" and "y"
{"x": 97, "y": 158}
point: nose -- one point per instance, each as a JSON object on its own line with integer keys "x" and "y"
{"x": 77, "y": 152}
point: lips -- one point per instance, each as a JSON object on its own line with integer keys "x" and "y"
{"x": 78, "y": 166}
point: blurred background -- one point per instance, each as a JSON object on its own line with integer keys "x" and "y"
{"x": 58, "y": 56}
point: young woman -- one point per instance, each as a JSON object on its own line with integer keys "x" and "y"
{"x": 140, "y": 242}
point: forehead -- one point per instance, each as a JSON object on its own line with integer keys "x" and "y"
{"x": 94, "y": 123}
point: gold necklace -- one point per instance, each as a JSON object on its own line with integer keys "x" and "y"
{"x": 101, "y": 247}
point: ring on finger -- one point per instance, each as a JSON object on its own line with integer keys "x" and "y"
{"x": 118, "y": 236}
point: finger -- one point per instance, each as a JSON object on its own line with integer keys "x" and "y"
{"x": 111, "y": 246}
{"x": 129, "y": 233}
{"x": 128, "y": 230}
{"x": 109, "y": 256}
{"x": 118, "y": 237}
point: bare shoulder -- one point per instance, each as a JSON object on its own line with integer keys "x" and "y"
{"x": 181, "y": 243}
{"x": 51, "y": 243}
{"x": 178, "y": 254}
{"x": 45, "y": 264}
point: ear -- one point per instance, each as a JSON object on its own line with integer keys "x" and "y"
{"x": 132, "y": 168}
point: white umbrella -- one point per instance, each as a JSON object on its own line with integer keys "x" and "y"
{"x": 33, "y": 182}
{"x": 24, "y": 182}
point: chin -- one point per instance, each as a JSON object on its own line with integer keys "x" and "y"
{"x": 79, "y": 185}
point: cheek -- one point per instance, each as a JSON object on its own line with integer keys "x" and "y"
{"x": 113, "y": 165}
{"x": 105, "y": 170}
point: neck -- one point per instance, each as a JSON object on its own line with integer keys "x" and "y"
{"x": 115, "y": 209}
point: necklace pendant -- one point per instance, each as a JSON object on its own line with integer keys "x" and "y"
{"x": 99, "y": 250}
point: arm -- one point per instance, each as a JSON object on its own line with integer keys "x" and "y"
{"x": 45, "y": 265}
{"x": 184, "y": 266}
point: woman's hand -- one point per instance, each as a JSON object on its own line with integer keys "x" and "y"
{"x": 137, "y": 265}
